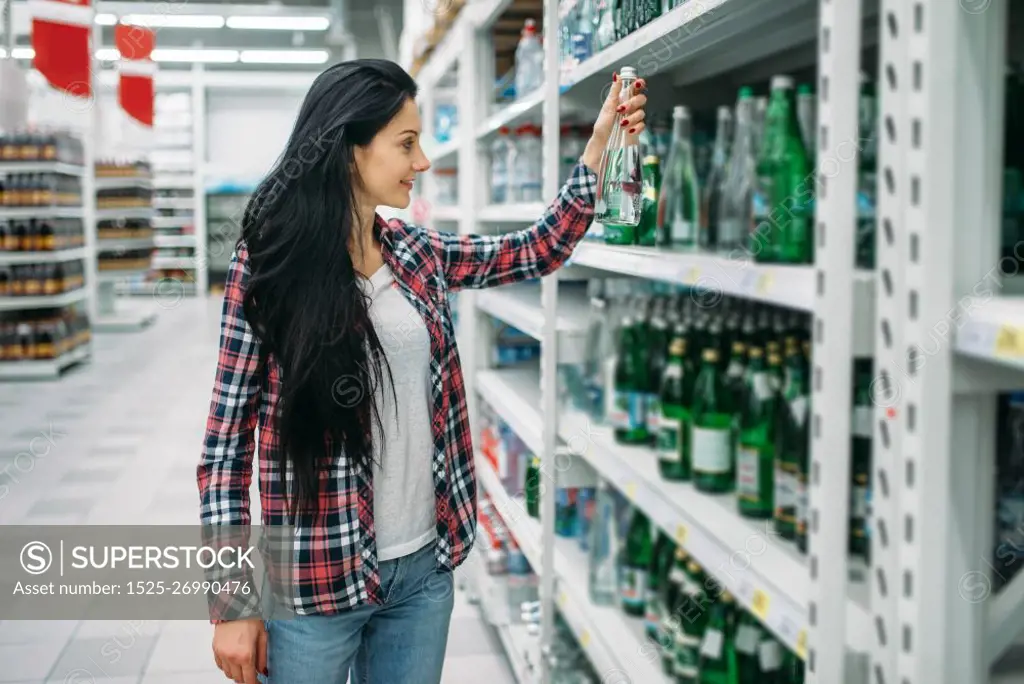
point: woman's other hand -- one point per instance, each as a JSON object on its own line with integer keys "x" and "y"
{"x": 633, "y": 119}
{"x": 240, "y": 649}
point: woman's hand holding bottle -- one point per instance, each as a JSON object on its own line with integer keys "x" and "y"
{"x": 633, "y": 115}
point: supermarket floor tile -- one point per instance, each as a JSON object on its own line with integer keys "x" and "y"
{"x": 90, "y": 475}
{"x": 61, "y": 507}
{"x": 115, "y": 656}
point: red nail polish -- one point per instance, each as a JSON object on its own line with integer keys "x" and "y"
{"x": 632, "y": 130}
{"x": 615, "y": 77}
{"x": 625, "y": 122}
{"x": 620, "y": 108}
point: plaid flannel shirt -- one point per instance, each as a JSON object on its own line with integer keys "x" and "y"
{"x": 335, "y": 559}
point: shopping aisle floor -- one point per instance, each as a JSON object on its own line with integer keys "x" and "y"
{"x": 116, "y": 442}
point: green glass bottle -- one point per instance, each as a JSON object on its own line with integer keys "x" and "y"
{"x": 693, "y": 610}
{"x": 735, "y": 374}
{"x": 793, "y": 669}
{"x": 647, "y": 231}
{"x": 627, "y": 411}
{"x": 636, "y": 561}
{"x": 711, "y": 438}
{"x": 674, "y": 427}
{"x": 800, "y": 408}
{"x": 679, "y": 201}
{"x": 790, "y": 448}
{"x": 755, "y": 444}
{"x": 532, "y": 486}
{"x": 718, "y": 648}
{"x": 671, "y": 620}
{"x": 657, "y": 358}
{"x": 797, "y": 176}
{"x": 860, "y": 456}
{"x": 749, "y": 635}
{"x": 657, "y": 583}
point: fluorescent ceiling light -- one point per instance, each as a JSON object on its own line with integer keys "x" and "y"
{"x": 279, "y": 23}
{"x": 104, "y": 19}
{"x": 210, "y": 21}
{"x": 19, "y": 53}
{"x": 195, "y": 55}
{"x": 108, "y": 54}
{"x": 284, "y": 56}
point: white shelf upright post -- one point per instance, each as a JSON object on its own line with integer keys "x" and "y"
{"x": 202, "y": 273}
{"x": 90, "y": 135}
{"x": 891, "y": 239}
{"x": 549, "y": 340}
{"x": 839, "y": 45}
{"x": 951, "y": 193}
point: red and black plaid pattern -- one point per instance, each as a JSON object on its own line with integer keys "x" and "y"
{"x": 335, "y": 556}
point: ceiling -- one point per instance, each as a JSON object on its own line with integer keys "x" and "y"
{"x": 361, "y": 26}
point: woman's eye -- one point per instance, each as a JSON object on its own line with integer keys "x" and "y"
{"x": 407, "y": 144}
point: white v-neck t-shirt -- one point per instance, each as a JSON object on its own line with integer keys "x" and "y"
{"x": 403, "y": 484}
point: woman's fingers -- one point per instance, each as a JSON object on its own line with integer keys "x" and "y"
{"x": 634, "y": 103}
{"x": 634, "y": 118}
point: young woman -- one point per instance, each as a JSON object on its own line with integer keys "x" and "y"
{"x": 338, "y": 349}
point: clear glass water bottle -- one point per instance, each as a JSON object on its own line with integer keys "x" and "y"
{"x": 603, "y": 577}
{"x": 620, "y": 191}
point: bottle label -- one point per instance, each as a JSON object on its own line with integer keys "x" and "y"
{"x": 711, "y": 450}
{"x": 748, "y": 473}
{"x": 747, "y": 637}
{"x": 785, "y": 492}
{"x": 770, "y": 655}
{"x": 632, "y": 588}
{"x": 682, "y": 230}
{"x": 859, "y": 503}
{"x": 711, "y": 646}
{"x": 652, "y": 616}
{"x": 798, "y": 407}
{"x": 653, "y": 413}
{"x": 759, "y": 204}
{"x": 677, "y": 576}
{"x": 762, "y": 387}
{"x": 668, "y": 439}
{"x": 628, "y": 413}
{"x": 862, "y": 421}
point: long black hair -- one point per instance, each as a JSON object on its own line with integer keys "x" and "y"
{"x": 303, "y": 300}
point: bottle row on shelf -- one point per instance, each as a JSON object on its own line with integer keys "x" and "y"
{"x": 586, "y": 27}
{"x": 756, "y": 190}
{"x": 111, "y": 168}
{"x": 40, "y": 190}
{"x": 123, "y": 198}
{"x": 124, "y": 229}
{"x": 721, "y": 391}
{"x": 37, "y": 146}
{"x": 40, "y": 235}
{"x": 699, "y": 632}
{"x": 129, "y": 260}
{"x": 34, "y": 280}
{"x": 42, "y": 335}
{"x": 517, "y": 165}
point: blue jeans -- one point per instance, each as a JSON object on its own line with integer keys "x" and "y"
{"x": 402, "y": 640}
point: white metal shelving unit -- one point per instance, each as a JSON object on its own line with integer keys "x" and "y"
{"x": 924, "y": 612}
{"x": 45, "y": 369}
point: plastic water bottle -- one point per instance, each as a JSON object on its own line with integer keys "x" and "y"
{"x": 529, "y": 60}
{"x": 528, "y": 164}
{"x": 500, "y": 156}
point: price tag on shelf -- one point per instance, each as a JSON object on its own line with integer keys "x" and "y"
{"x": 692, "y": 276}
{"x": 682, "y": 532}
{"x": 764, "y": 283}
{"x": 562, "y": 598}
{"x": 801, "y": 644}
{"x": 760, "y": 604}
{"x": 1009, "y": 342}
{"x": 585, "y": 638}
{"x": 631, "y": 490}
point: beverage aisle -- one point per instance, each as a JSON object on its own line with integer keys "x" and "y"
{"x": 116, "y": 442}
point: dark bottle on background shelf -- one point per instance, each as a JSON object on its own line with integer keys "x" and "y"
{"x": 636, "y": 560}
{"x": 711, "y": 196}
{"x": 629, "y": 402}
{"x": 755, "y": 444}
{"x": 712, "y": 433}
{"x": 674, "y": 429}
{"x": 657, "y": 582}
{"x": 860, "y": 458}
{"x": 717, "y": 647}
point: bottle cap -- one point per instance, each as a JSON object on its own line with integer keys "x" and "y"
{"x": 652, "y": 160}
{"x": 746, "y": 92}
{"x": 680, "y": 112}
{"x": 627, "y": 72}
{"x": 738, "y": 347}
{"x": 773, "y": 359}
{"x": 804, "y": 89}
{"x": 678, "y": 347}
{"x": 755, "y": 352}
{"x": 724, "y": 113}
{"x": 710, "y": 355}
{"x": 782, "y": 82}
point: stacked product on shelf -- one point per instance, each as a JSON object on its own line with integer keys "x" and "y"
{"x": 44, "y": 327}
{"x": 124, "y": 239}
{"x": 225, "y": 206}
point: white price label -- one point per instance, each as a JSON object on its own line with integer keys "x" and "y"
{"x": 746, "y": 639}
{"x": 711, "y": 647}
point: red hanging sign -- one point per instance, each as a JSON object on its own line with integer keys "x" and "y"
{"x": 61, "y": 38}
{"x": 135, "y": 91}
